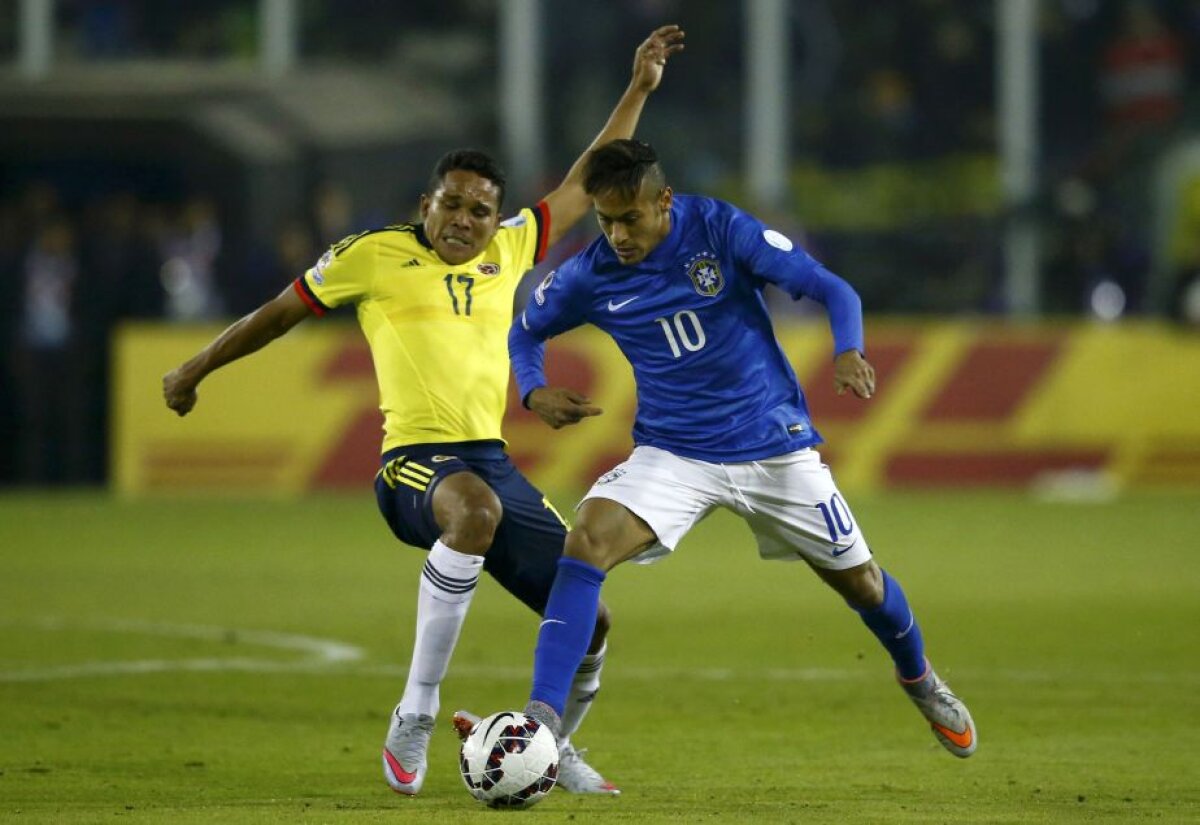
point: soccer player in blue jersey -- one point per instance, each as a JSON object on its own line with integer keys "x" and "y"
{"x": 677, "y": 281}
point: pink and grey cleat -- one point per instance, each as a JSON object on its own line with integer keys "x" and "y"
{"x": 577, "y": 776}
{"x": 404, "y": 752}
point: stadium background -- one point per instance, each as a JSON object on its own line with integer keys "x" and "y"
{"x": 204, "y": 619}
{"x": 179, "y": 163}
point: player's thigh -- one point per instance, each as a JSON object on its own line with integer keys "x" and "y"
{"x": 797, "y": 512}
{"x": 607, "y": 533}
{"x": 404, "y": 491}
{"x": 529, "y": 540}
{"x": 667, "y": 493}
{"x": 468, "y": 511}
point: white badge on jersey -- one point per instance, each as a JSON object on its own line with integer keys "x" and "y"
{"x": 778, "y": 240}
{"x": 539, "y": 294}
{"x": 318, "y": 270}
{"x": 516, "y": 220}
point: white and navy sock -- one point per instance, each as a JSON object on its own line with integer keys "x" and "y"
{"x": 447, "y": 585}
{"x": 583, "y": 691}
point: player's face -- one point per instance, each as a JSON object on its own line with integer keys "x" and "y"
{"x": 461, "y": 215}
{"x": 634, "y": 226}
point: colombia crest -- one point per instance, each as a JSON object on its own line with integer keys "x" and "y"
{"x": 706, "y": 275}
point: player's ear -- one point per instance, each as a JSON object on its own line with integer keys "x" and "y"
{"x": 665, "y": 199}
{"x": 424, "y": 206}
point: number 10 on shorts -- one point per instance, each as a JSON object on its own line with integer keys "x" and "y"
{"x": 837, "y": 517}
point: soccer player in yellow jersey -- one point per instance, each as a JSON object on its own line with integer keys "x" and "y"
{"x": 434, "y": 300}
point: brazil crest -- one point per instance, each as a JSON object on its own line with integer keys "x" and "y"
{"x": 706, "y": 275}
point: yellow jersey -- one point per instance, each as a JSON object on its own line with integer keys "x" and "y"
{"x": 438, "y": 333}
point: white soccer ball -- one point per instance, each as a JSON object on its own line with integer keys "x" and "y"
{"x": 509, "y": 760}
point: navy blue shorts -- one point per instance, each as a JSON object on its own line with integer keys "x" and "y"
{"x": 524, "y": 554}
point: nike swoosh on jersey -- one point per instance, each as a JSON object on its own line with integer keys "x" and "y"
{"x": 614, "y": 307}
{"x": 551, "y": 621}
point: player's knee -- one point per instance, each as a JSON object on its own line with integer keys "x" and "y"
{"x": 864, "y": 586}
{"x": 473, "y": 528}
{"x": 584, "y": 544}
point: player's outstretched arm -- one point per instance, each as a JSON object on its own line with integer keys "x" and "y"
{"x": 559, "y": 407}
{"x": 250, "y": 334}
{"x": 568, "y": 203}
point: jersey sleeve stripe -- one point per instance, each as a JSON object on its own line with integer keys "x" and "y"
{"x": 309, "y": 297}
{"x": 541, "y": 215}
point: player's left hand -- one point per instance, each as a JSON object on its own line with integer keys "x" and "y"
{"x": 651, "y": 56}
{"x": 853, "y": 372}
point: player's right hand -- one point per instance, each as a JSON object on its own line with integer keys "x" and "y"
{"x": 559, "y": 407}
{"x": 179, "y": 391}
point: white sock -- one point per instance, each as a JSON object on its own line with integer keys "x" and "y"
{"x": 447, "y": 585}
{"x": 583, "y": 691}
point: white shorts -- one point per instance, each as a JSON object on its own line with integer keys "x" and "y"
{"x": 790, "y": 502}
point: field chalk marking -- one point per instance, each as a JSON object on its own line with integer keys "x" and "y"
{"x": 334, "y": 658}
{"x": 317, "y": 653}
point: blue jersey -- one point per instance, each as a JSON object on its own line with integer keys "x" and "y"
{"x": 712, "y": 381}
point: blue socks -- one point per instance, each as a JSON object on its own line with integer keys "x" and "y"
{"x": 566, "y": 631}
{"x": 896, "y": 628}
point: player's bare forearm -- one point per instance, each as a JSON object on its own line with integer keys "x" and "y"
{"x": 241, "y": 338}
{"x": 559, "y": 407}
{"x": 568, "y": 203}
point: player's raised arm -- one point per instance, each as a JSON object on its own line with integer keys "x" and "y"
{"x": 249, "y": 334}
{"x": 568, "y": 203}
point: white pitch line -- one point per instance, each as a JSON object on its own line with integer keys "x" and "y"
{"x": 335, "y": 658}
{"x": 320, "y": 653}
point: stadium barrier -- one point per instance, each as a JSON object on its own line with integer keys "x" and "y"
{"x": 959, "y": 403}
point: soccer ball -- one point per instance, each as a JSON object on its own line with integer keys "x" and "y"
{"x": 509, "y": 760}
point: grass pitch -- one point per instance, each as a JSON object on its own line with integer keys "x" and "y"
{"x": 205, "y": 661}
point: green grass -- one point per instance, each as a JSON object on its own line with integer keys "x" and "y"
{"x": 736, "y": 690}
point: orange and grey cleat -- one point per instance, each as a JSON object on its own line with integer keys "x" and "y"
{"x": 947, "y": 714}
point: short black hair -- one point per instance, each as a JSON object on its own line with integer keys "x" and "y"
{"x": 622, "y": 166}
{"x": 469, "y": 160}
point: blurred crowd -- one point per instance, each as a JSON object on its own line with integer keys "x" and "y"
{"x": 910, "y": 83}
{"x": 79, "y": 270}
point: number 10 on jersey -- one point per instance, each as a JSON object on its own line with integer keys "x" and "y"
{"x": 692, "y": 339}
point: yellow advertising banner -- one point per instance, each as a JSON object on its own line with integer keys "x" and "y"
{"x": 958, "y": 403}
